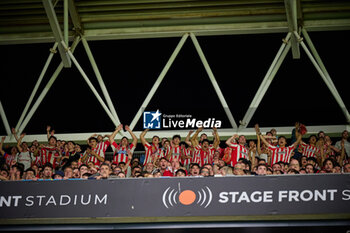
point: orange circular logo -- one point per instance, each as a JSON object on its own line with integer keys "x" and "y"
{"x": 187, "y": 197}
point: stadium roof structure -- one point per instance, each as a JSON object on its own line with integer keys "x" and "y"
{"x": 65, "y": 23}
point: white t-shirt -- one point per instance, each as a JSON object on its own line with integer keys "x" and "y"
{"x": 346, "y": 146}
{"x": 25, "y": 158}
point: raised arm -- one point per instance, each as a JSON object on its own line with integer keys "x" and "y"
{"x": 188, "y": 140}
{"x": 134, "y": 138}
{"x": 112, "y": 136}
{"x": 1, "y": 144}
{"x": 194, "y": 139}
{"x": 216, "y": 138}
{"x": 342, "y": 153}
{"x": 258, "y": 143}
{"x": 142, "y": 137}
{"x": 128, "y": 162}
{"x": 13, "y": 130}
{"x": 297, "y": 135}
{"x": 19, "y": 142}
{"x": 49, "y": 132}
{"x": 230, "y": 141}
{"x": 257, "y": 129}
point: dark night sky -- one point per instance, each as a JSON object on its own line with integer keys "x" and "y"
{"x": 130, "y": 67}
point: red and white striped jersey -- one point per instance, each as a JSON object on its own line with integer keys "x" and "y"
{"x": 176, "y": 153}
{"x": 231, "y": 152}
{"x": 121, "y": 152}
{"x": 102, "y": 147}
{"x": 152, "y": 152}
{"x": 164, "y": 152}
{"x": 202, "y": 157}
{"x": 309, "y": 150}
{"x": 331, "y": 152}
{"x": 49, "y": 155}
{"x": 9, "y": 158}
{"x": 238, "y": 152}
{"x": 281, "y": 154}
{"x": 36, "y": 160}
{"x": 92, "y": 158}
{"x": 188, "y": 152}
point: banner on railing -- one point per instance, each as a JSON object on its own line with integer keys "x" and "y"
{"x": 172, "y": 197}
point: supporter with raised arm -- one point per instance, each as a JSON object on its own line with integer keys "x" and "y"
{"x": 188, "y": 138}
{"x": 202, "y": 137}
{"x": 152, "y": 151}
{"x": 252, "y": 151}
{"x": 281, "y": 153}
{"x": 120, "y": 150}
{"x": 14, "y": 133}
{"x": 311, "y": 150}
{"x": 262, "y": 150}
{"x": 176, "y": 151}
{"x": 204, "y": 153}
{"x": 93, "y": 153}
{"x": 101, "y": 146}
{"x": 24, "y": 156}
{"x": 50, "y": 153}
{"x": 187, "y": 155}
{"x": 239, "y": 150}
{"x": 49, "y": 132}
{"x": 8, "y": 157}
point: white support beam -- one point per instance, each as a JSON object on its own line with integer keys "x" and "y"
{"x": 333, "y": 130}
{"x": 326, "y": 79}
{"x": 213, "y": 81}
{"x": 41, "y": 76}
{"x": 100, "y": 80}
{"x": 281, "y": 54}
{"x": 4, "y": 120}
{"x": 93, "y": 89}
{"x": 158, "y": 81}
{"x": 44, "y": 91}
{"x": 56, "y": 29}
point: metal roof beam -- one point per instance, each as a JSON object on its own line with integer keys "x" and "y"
{"x": 291, "y": 12}
{"x": 4, "y": 120}
{"x": 276, "y": 63}
{"x": 213, "y": 81}
{"x": 216, "y": 29}
{"x": 158, "y": 81}
{"x": 57, "y": 33}
{"x": 45, "y": 91}
{"x": 75, "y": 17}
{"x": 317, "y": 62}
{"x": 224, "y": 133}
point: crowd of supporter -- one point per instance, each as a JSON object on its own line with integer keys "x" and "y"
{"x": 268, "y": 154}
